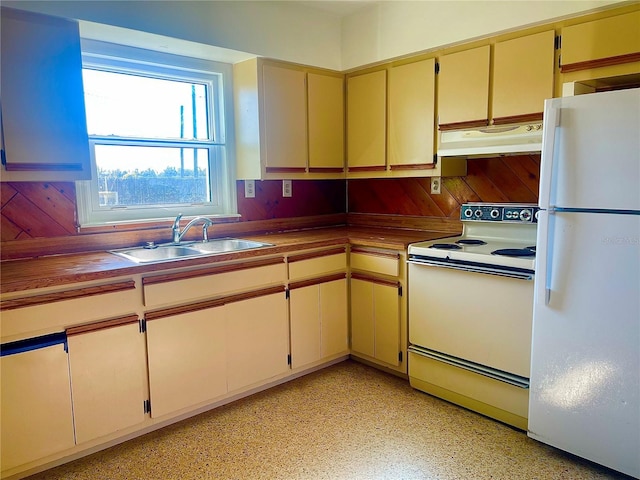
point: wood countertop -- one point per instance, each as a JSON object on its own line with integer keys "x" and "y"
{"x": 58, "y": 270}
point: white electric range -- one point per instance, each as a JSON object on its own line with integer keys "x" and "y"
{"x": 471, "y": 309}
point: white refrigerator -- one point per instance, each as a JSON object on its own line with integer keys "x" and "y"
{"x": 585, "y": 360}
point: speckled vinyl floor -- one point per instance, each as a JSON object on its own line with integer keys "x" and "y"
{"x": 348, "y": 421}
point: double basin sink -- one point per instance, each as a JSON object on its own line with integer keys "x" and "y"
{"x": 165, "y": 252}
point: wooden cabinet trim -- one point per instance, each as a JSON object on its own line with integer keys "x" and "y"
{"x": 372, "y": 279}
{"x": 218, "y": 302}
{"x": 601, "y": 62}
{"x": 102, "y": 325}
{"x": 376, "y": 253}
{"x": 531, "y": 117}
{"x": 285, "y": 169}
{"x": 414, "y": 166}
{"x": 380, "y": 168}
{"x": 326, "y": 170}
{"x": 317, "y": 254}
{"x": 67, "y": 295}
{"x": 170, "y": 277}
{"x": 317, "y": 281}
{"x": 461, "y": 125}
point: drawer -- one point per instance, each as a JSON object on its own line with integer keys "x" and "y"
{"x": 188, "y": 286}
{"x": 384, "y": 262}
{"x": 316, "y": 264}
{"x": 53, "y": 312}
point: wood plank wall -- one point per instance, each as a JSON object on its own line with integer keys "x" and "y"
{"x": 512, "y": 179}
{"x": 37, "y": 210}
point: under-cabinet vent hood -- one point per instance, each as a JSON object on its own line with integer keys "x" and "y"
{"x": 491, "y": 141}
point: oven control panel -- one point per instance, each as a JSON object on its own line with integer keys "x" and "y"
{"x": 483, "y": 212}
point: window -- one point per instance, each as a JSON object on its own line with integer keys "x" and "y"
{"x": 158, "y": 128}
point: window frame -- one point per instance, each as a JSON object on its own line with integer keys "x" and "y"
{"x": 218, "y": 78}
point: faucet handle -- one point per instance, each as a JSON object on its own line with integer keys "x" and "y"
{"x": 205, "y": 234}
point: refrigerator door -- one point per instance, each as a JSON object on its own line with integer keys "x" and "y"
{"x": 591, "y": 151}
{"x": 585, "y": 363}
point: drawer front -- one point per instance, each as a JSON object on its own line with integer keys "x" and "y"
{"x": 382, "y": 263}
{"x": 53, "y": 313}
{"x": 314, "y": 267}
{"x": 209, "y": 286}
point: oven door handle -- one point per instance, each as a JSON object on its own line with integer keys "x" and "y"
{"x": 489, "y": 270}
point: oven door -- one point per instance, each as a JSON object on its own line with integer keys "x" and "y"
{"x": 472, "y": 314}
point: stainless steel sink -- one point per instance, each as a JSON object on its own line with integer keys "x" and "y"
{"x": 228, "y": 245}
{"x": 166, "y": 252}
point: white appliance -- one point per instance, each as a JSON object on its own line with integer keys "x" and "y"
{"x": 470, "y": 312}
{"x": 585, "y": 363}
{"x": 492, "y": 140}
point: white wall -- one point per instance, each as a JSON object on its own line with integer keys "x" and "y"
{"x": 391, "y": 29}
{"x": 296, "y": 32}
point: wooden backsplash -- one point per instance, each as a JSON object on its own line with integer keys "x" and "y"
{"x": 506, "y": 179}
{"x": 37, "y": 210}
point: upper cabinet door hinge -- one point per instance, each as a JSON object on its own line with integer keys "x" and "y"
{"x": 399, "y": 290}
{"x": 289, "y": 359}
{"x": 143, "y": 325}
{"x": 435, "y": 159}
{"x": 558, "y": 42}
{"x": 147, "y": 406}
{"x": 400, "y": 356}
{"x": 437, "y": 68}
{"x": 287, "y": 295}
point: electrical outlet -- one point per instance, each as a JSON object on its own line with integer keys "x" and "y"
{"x": 286, "y": 188}
{"x": 249, "y": 189}
{"x": 435, "y": 185}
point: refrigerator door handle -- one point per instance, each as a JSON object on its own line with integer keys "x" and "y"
{"x": 545, "y": 267}
{"x": 551, "y": 123}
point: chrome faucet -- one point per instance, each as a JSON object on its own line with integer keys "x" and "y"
{"x": 177, "y": 234}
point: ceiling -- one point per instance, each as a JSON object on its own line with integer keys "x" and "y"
{"x": 341, "y": 8}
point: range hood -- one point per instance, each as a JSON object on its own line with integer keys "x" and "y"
{"x": 491, "y": 141}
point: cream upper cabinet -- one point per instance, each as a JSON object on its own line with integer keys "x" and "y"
{"x": 326, "y": 122}
{"x": 463, "y": 88}
{"x": 108, "y": 365}
{"x": 411, "y": 115}
{"x": 285, "y": 118}
{"x": 604, "y": 42}
{"x": 367, "y": 121}
{"x": 43, "y": 116}
{"x": 522, "y": 77}
{"x": 289, "y": 121}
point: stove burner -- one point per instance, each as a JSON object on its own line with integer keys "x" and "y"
{"x": 514, "y": 252}
{"x": 446, "y": 246}
{"x": 532, "y": 248}
{"x": 471, "y": 241}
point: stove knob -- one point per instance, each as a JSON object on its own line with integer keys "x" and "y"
{"x": 525, "y": 215}
{"x": 495, "y": 213}
{"x": 468, "y": 213}
{"x": 478, "y": 213}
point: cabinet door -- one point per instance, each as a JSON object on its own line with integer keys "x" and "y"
{"x": 362, "y": 317}
{"x": 375, "y": 320}
{"x": 608, "y": 41}
{"x": 366, "y": 121}
{"x": 411, "y": 115}
{"x": 463, "y": 88}
{"x": 187, "y": 355}
{"x": 326, "y": 122}
{"x": 37, "y": 415}
{"x": 43, "y": 115}
{"x": 108, "y": 377}
{"x": 522, "y": 77}
{"x": 257, "y": 340}
{"x": 285, "y": 118}
{"x": 386, "y": 315}
{"x": 334, "y": 318}
{"x": 304, "y": 306}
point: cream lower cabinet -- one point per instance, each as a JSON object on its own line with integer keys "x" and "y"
{"x": 107, "y": 361}
{"x": 187, "y": 358}
{"x": 257, "y": 339}
{"x": 375, "y": 320}
{"x": 378, "y": 307}
{"x": 319, "y": 321}
{"x": 37, "y": 416}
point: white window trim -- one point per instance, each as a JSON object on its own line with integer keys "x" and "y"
{"x": 125, "y": 58}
